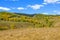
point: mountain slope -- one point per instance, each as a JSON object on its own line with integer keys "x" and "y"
{"x": 10, "y": 20}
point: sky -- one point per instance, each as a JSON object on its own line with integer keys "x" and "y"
{"x": 31, "y": 6}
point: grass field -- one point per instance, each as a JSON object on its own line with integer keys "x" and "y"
{"x": 18, "y": 26}
{"x": 31, "y": 34}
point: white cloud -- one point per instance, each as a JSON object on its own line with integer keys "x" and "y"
{"x": 44, "y": 3}
{"x": 58, "y": 2}
{"x": 35, "y": 7}
{"x": 51, "y": 1}
{"x": 4, "y": 8}
{"x": 20, "y": 8}
{"x": 45, "y": 13}
{"x": 56, "y": 12}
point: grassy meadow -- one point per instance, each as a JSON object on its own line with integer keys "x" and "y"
{"x": 20, "y": 26}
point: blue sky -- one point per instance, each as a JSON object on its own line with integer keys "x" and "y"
{"x": 31, "y": 6}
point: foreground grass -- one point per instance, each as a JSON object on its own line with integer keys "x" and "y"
{"x": 31, "y": 34}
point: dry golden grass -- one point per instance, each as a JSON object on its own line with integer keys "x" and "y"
{"x": 31, "y": 34}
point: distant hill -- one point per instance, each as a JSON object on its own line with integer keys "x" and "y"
{"x": 31, "y": 15}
